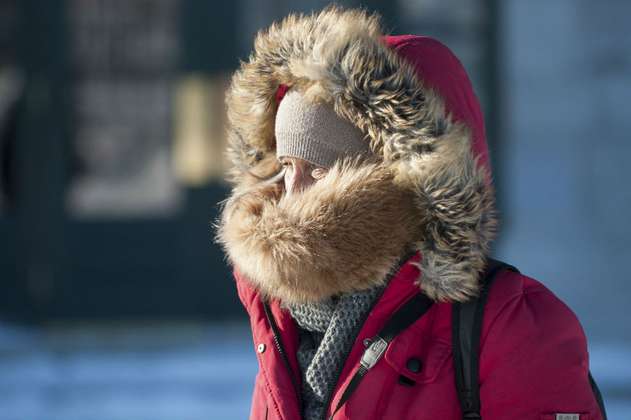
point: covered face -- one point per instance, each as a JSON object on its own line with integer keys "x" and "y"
{"x": 310, "y": 138}
{"x": 299, "y": 174}
{"x": 407, "y": 102}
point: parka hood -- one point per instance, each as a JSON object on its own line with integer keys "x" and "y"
{"x": 428, "y": 188}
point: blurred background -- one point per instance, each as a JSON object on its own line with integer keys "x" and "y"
{"x": 114, "y": 302}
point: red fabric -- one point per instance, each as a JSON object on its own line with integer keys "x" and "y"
{"x": 533, "y": 360}
{"x": 280, "y": 93}
{"x": 533, "y": 352}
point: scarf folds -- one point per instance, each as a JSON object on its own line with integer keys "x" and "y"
{"x": 328, "y": 330}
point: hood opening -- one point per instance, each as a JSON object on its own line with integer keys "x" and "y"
{"x": 412, "y": 98}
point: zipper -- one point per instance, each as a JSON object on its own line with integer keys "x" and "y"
{"x": 329, "y": 396}
{"x": 281, "y": 350}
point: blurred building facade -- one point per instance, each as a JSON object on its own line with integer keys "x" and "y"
{"x": 112, "y": 125}
{"x": 566, "y": 72}
{"x": 111, "y": 115}
{"x": 119, "y": 167}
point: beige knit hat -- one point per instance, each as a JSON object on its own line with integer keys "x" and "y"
{"x": 314, "y": 132}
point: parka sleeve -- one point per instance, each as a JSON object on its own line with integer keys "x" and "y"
{"x": 533, "y": 359}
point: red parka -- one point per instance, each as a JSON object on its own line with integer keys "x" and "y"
{"x": 533, "y": 358}
{"x": 430, "y": 189}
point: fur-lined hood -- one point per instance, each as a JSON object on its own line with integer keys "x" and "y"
{"x": 427, "y": 189}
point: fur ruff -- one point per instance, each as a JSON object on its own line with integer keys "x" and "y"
{"x": 341, "y": 235}
{"x": 348, "y": 230}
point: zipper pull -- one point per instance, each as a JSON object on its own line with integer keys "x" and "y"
{"x": 376, "y": 348}
{"x": 374, "y": 352}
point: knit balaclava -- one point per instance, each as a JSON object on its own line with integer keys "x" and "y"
{"x": 314, "y": 132}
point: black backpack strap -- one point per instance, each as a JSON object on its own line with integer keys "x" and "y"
{"x": 466, "y": 332}
{"x": 405, "y": 316}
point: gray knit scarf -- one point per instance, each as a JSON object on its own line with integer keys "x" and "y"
{"x": 327, "y": 332}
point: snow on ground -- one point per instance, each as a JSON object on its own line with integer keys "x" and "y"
{"x": 171, "y": 371}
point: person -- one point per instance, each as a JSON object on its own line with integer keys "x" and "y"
{"x": 361, "y": 176}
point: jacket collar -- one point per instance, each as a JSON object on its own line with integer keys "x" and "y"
{"x": 400, "y": 288}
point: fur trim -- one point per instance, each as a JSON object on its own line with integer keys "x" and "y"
{"x": 342, "y": 234}
{"x": 338, "y": 56}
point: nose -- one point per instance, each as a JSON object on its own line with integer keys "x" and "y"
{"x": 297, "y": 178}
